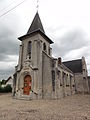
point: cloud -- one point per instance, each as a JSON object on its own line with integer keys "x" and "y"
{"x": 8, "y": 44}
{"x": 77, "y": 53}
{"x": 4, "y": 74}
{"x": 73, "y": 44}
{"x": 7, "y": 66}
{"x": 70, "y": 41}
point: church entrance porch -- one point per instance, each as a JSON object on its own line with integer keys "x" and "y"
{"x": 27, "y": 85}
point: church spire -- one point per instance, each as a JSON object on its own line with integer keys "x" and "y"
{"x": 36, "y": 25}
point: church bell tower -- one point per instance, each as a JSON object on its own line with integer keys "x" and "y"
{"x": 29, "y": 70}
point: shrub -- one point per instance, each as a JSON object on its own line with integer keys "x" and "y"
{"x": 6, "y": 89}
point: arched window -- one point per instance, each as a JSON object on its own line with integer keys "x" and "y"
{"x": 29, "y": 49}
{"x": 44, "y": 46}
{"x": 53, "y": 80}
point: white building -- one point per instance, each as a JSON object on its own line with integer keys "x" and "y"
{"x": 38, "y": 75}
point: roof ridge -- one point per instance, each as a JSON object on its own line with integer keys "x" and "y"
{"x": 72, "y": 60}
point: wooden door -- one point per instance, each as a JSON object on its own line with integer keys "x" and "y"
{"x": 27, "y": 85}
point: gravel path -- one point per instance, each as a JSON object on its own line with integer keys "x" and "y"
{"x": 76, "y": 107}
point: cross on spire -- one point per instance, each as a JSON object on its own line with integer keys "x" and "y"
{"x": 37, "y": 5}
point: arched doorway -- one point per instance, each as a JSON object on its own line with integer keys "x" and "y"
{"x": 27, "y": 85}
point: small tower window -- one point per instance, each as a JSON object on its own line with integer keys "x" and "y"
{"x": 29, "y": 49}
{"x": 44, "y": 46}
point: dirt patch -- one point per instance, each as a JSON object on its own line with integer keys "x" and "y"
{"x": 76, "y": 107}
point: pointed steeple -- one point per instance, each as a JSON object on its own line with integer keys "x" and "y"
{"x": 36, "y": 25}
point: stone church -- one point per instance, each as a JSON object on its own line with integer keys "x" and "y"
{"x": 40, "y": 76}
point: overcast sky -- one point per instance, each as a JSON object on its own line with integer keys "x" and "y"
{"x": 66, "y": 22}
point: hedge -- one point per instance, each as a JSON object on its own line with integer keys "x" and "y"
{"x": 6, "y": 89}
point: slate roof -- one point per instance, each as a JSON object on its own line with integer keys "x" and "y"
{"x": 75, "y": 65}
{"x": 8, "y": 79}
{"x": 66, "y": 68}
{"x": 36, "y": 24}
{"x": 36, "y": 27}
